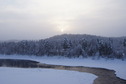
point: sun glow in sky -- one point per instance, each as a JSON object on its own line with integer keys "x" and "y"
{"x": 62, "y": 30}
{"x": 37, "y": 19}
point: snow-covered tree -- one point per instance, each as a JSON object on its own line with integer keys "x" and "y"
{"x": 124, "y": 43}
{"x": 68, "y": 45}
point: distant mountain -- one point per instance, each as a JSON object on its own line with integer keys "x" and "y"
{"x": 82, "y": 36}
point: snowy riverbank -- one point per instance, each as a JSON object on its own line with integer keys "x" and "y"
{"x": 117, "y": 65}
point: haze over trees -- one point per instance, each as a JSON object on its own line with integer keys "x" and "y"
{"x": 68, "y": 45}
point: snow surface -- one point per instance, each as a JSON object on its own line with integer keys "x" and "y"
{"x": 43, "y": 76}
{"x": 118, "y": 65}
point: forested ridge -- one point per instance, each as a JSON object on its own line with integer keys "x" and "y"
{"x": 68, "y": 45}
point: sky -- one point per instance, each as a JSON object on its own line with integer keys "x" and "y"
{"x": 39, "y": 19}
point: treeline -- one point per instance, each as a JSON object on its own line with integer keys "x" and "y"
{"x": 84, "y": 47}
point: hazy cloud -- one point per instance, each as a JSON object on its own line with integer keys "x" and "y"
{"x": 36, "y": 19}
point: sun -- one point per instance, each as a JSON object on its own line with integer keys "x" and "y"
{"x": 61, "y": 26}
{"x": 62, "y": 30}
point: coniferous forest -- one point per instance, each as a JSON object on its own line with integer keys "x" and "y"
{"x": 68, "y": 45}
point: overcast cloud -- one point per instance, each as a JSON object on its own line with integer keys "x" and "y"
{"x": 38, "y": 19}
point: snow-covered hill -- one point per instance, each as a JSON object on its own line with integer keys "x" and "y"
{"x": 69, "y": 45}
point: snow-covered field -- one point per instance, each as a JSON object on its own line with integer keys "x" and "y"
{"x": 43, "y": 76}
{"x": 67, "y": 77}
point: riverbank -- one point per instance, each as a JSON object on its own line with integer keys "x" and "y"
{"x": 105, "y": 76}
